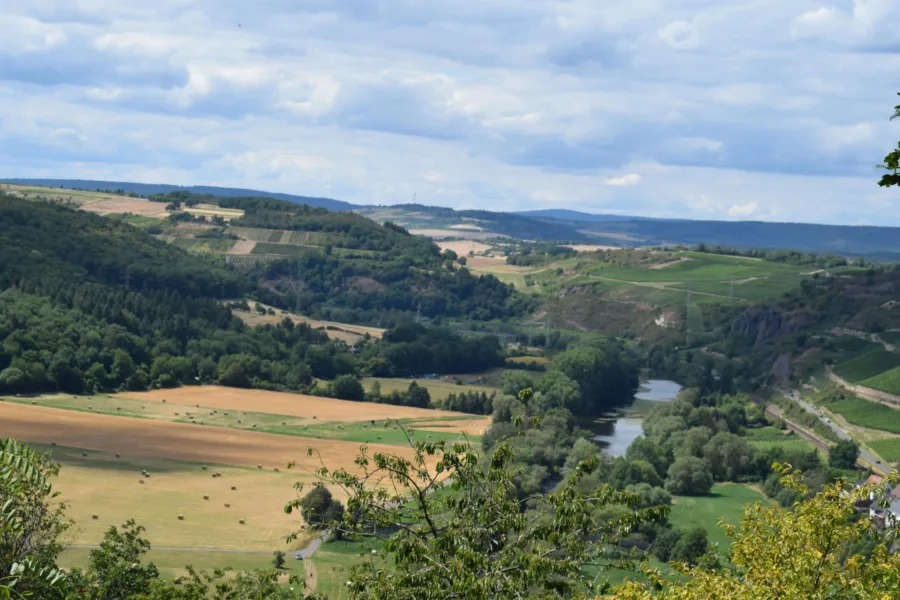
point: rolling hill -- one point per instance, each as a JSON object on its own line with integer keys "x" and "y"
{"x": 148, "y": 189}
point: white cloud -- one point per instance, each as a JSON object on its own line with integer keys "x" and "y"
{"x": 743, "y": 211}
{"x": 680, "y": 35}
{"x": 497, "y": 104}
{"x": 624, "y": 181}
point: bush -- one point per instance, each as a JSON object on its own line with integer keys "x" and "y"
{"x": 689, "y": 476}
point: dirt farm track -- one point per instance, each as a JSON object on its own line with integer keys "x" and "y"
{"x": 176, "y": 441}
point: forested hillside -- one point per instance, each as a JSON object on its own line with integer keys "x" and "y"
{"x": 91, "y": 303}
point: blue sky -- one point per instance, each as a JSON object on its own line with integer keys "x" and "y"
{"x": 712, "y": 109}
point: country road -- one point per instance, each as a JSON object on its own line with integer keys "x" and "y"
{"x": 863, "y": 454}
{"x": 305, "y": 552}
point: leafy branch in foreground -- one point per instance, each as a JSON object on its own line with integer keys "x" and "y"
{"x": 454, "y": 525}
{"x": 892, "y": 160}
{"x": 792, "y": 553}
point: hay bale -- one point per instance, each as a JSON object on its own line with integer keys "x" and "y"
{"x": 118, "y": 408}
{"x": 34, "y": 402}
{"x": 178, "y": 581}
{"x": 206, "y": 497}
{"x": 141, "y": 481}
{"x": 181, "y": 517}
{"x": 95, "y": 517}
{"x": 164, "y": 400}
{"x": 53, "y": 443}
{"x": 203, "y": 468}
{"x": 144, "y": 407}
{"x": 276, "y": 469}
{"x": 284, "y": 422}
{"x": 227, "y": 505}
{"x": 198, "y": 406}
{"x": 234, "y": 488}
{"x": 241, "y": 522}
{"x": 254, "y": 426}
{"x": 84, "y": 454}
{"x": 177, "y": 414}
{"x": 90, "y": 408}
{"x": 117, "y": 456}
{"x": 314, "y": 417}
{"x": 259, "y": 466}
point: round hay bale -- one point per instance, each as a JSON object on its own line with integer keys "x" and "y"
{"x": 226, "y": 414}
{"x": 181, "y": 517}
{"x": 164, "y": 400}
{"x": 206, "y": 497}
{"x": 34, "y": 402}
{"x": 284, "y": 422}
{"x": 117, "y": 456}
{"x": 239, "y": 421}
{"x": 95, "y": 517}
{"x": 241, "y": 522}
{"x": 227, "y": 505}
{"x": 276, "y": 469}
{"x": 141, "y": 481}
{"x": 90, "y": 408}
{"x": 118, "y": 408}
{"x": 203, "y": 468}
{"x": 178, "y": 581}
{"x": 234, "y": 488}
{"x": 177, "y": 414}
{"x": 144, "y": 407}
{"x": 254, "y": 426}
{"x": 314, "y": 417}
{"x": 259, "y": 466}
{"x": 84, "y": 454}
{"x": 53, "y": 443}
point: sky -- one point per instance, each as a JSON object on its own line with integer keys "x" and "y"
{"x": 773, "y": 110}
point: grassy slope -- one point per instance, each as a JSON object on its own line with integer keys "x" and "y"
{"x": 438, "y": 390}
{"x": 867, "y": 414}
{"x": 889, "y": 381}
{"x": 868, "y": 365}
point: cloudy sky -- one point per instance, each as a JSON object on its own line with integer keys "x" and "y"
{"x": 731, "y": 109}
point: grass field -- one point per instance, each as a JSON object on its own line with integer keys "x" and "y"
{"x": 866, "y": 414}
{"x": 725, "y": 502}
{"x": 891, "y": 337}
{"x": 854, "y": 345}
{"x": 868, "y": 365}
{"x": 438, "y": 390}
{"x": 889, "y": 381}
{"x": 334, "y": 560}
{"x": 888, "y": 449}
{"x": 772, "y": 437}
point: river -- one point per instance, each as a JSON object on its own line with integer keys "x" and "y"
{"x": 615, "y": 434}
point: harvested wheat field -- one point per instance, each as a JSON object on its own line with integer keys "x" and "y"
{"x": 122, "y": 204}
{"x": 282, "y": 403}
{"x": 590, "y": 247}
{"x": 109, "y": 487}
{"x": 242, "y": 247}
{"x": 468, "y": 426}
{"x": 344, "y": 331}
{"x": 462, "y": 248}
{"x": 175, "y": 441}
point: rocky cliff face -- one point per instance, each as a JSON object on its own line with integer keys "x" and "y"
{"x": 762, "y": 323}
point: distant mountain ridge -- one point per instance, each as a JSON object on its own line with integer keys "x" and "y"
{"x": 564, "y": 214}
{"x": 564, "y": 225}
{"x": 146, "y": 189}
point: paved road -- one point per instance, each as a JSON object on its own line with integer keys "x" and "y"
{"x": 795, "y": 397}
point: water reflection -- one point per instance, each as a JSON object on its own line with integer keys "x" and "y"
{"x": 617, "y": 432}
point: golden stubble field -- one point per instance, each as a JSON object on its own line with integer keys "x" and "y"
{"x": 94, "y": 481}
{"x": 344, "y": 331}
{"x": 283, "y": 403}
